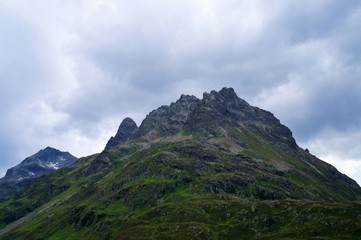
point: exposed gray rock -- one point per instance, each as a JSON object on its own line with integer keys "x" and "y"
{"x": 125, "y": 132}
{"x": 217, "y": 110}
{"x": 169, "y": 120}
{"x": 208, "y": 118}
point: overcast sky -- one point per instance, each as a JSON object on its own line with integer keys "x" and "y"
{"x": 71, "y": 70}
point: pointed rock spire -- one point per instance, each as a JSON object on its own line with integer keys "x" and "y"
{"x": 125, "y": 131}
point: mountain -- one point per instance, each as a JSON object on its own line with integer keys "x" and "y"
{"x": 210, "y": 168}
{"x": 126, "y": 130}
{"x": 45, "y": 161}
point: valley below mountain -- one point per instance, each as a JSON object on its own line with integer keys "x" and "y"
{"x": 210, "y": 168}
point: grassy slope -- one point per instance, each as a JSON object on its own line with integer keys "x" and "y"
{"x": 190, "y": 190}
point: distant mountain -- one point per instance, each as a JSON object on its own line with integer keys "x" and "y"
{"x": 210, "y": 168}
{"x": 45, "y": 161}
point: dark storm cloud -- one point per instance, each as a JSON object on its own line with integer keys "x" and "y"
{"x": 92, "y": 63}
{"x": 314, "y": 19}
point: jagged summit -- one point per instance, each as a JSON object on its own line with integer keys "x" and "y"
{"x": 208, "y": 117}
{"x": 169, "y": 120}
{"x": 228, "y": 93}
{"x": 225, "y": 93}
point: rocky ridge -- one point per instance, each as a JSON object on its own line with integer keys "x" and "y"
{"x": 208, "y": 117}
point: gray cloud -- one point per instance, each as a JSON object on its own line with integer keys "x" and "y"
{"x": 73, "y": 72}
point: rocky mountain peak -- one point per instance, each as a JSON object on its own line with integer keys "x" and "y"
{"x": 49, "y": 149}
{"x": 126, "y": 130}
{"x": 47, "y": 152}
{"x": 228, "y": 93}
{"x": 218, "y": 111}
{"x": 128, "y": 122}
{"x": 187, "y": 99}
{"x": 208, "y": 117}
{"x": 44, "y": 161}
{"x": 225, "y": 94}
{"x": 169, "y": 120}
{"x": 225, "y": 98}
